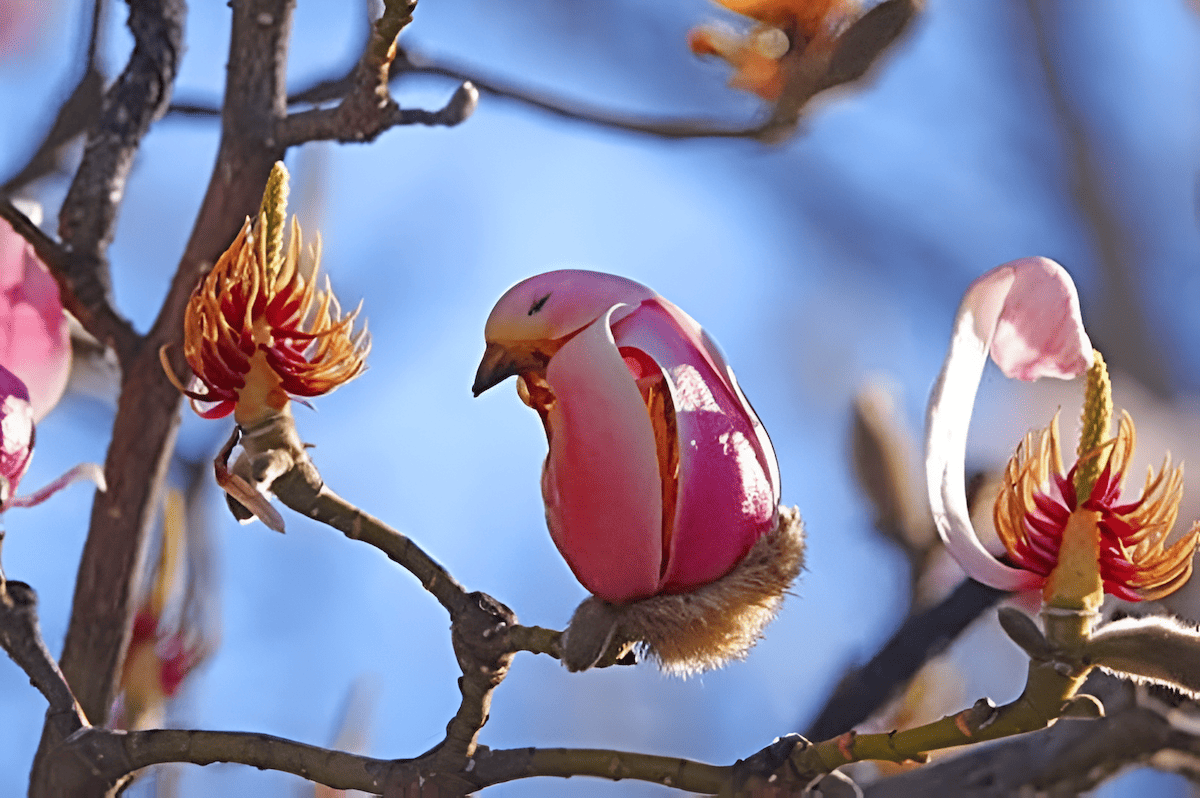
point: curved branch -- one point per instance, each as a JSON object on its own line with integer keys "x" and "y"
{"x": 303, "y": 490}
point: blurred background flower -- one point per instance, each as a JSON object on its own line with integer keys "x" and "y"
{"x": 995, "y": 130}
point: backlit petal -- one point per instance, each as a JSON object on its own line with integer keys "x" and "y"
{"x": 601, "y": 482}
{"x": 726, "y": 498}
{"x": 1026, "y": 315}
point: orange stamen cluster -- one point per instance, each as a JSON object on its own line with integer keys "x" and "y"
{"x": 1038, "y": 500}
{"x": 257, "y": 330}
{"x": 783, "y": 27}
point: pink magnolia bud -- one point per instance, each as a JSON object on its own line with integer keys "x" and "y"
{"x": 660, "y": 478}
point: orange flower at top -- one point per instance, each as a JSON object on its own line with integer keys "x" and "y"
{"x": 1042, "y": 522}
{"x": 257, "y": 331}
{"x": 783, "y": 25}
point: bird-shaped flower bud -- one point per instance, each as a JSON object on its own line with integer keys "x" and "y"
{"x": 258, "y": 331}
{"x": 660, "y": 479}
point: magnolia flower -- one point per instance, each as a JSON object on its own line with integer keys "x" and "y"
{"x": 35, "y": 343}
{"x": 1038, "y": 503}
{"x": 16, "y": 448}
{"x": 660, "y": 478}
{"x": 1064, "y": 530}
{"x": 783, "y": 27}
{"x": 257, "y": 331}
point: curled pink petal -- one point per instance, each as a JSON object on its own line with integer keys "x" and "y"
{"x": 726, "y": 497}
{"x": 601, "y": 482}
{"x": 1038, "y": 331}
{"x": 1026, "y": 315}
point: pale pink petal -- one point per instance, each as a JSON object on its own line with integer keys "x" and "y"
{"x": 1026, "y": 313}
{"x": 726, "y": 499}
{"x": 84, "y": 472}
{"x": 601, "y": 482}
{"x": 1039, "y": 330}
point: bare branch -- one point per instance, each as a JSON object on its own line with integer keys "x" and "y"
{"x": 147, "y": 413}
{"x": 922, "y": 637}
{"x": 87, "y": 220}
{"x": 303, "y": 490}
{"x": 360, "y": 122}
{"x": 1069, "y": 758}
{"x": 21, "y": 638}
{"x": 367, "y": 108}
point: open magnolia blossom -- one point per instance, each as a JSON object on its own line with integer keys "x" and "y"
{"x": 35, "y": 343}
{"x": 16, "y": 448}
{"x": 1065, "y": 531}
{"x": 257, "y": 331}
{"x": 783, "y": 27}
{"x": 660, "y": 478}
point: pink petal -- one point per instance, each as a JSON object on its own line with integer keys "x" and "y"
{"x": 601, "y": 483}
{"x": 728, "y": 495}
{"x": 35, "y": 342}
{"x": 16, "y": 431}
{"x": 1026, "y": 314}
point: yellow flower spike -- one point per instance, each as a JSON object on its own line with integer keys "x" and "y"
{"x": 1097, "y": 420}
{"x": 272, "y": 214}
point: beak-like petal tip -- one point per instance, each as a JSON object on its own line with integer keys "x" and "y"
{"x": 498, "y": 364}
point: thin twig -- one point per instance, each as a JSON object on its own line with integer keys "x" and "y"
{"x": 303, "y": 490}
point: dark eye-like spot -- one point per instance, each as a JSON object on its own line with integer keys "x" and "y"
{"x": 538, "y": 304}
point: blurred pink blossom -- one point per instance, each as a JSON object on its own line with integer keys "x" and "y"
{"x": 35, "y": 343}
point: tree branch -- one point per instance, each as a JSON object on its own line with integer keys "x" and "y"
{"x": 147, "y": 413}
{"x": 367, "y": 109}
{"x": 303, "y": 490}
{"x": 74, "y": 116}
{"x": 87, "y": 220}
{"x": 21, "y": 638}
{"x": 922, "y": 636}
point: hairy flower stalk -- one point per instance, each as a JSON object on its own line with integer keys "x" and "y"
{"x": 257, "y": 330}
{"x": 1073, "y": 532}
